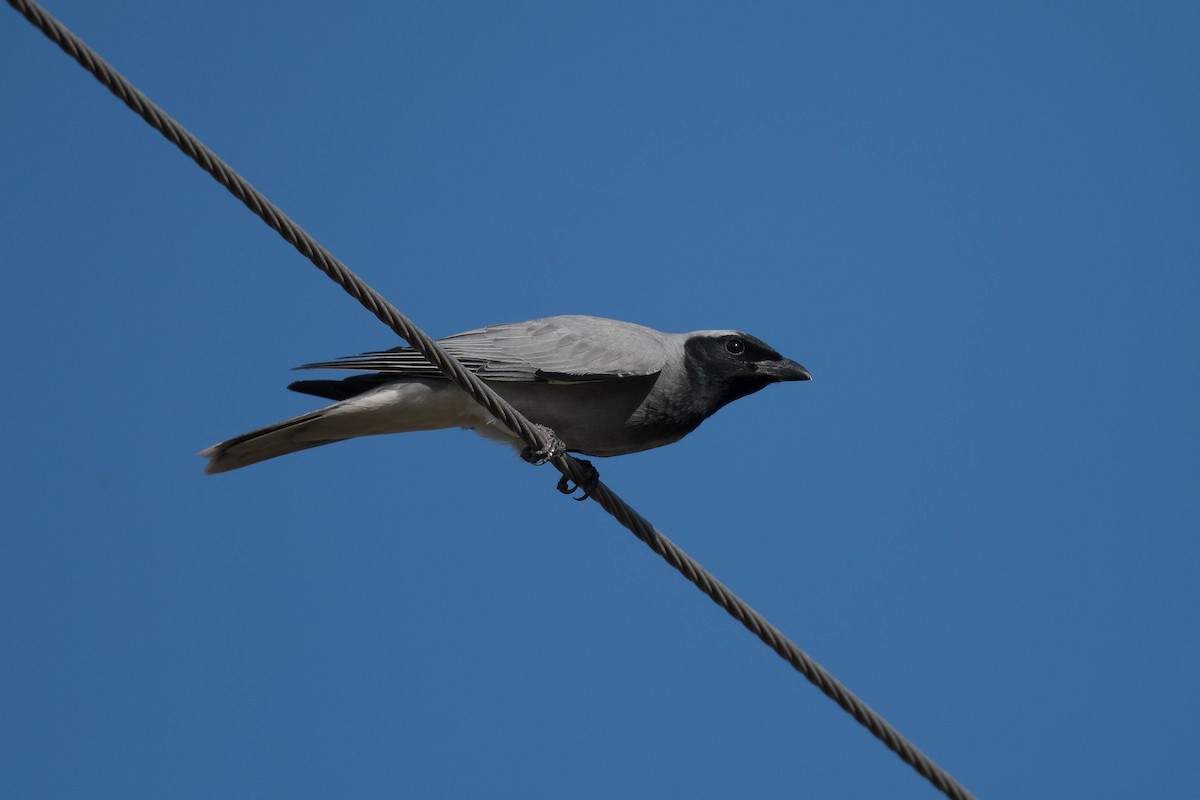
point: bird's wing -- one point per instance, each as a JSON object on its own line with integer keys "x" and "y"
{"x": 567, "y": 349}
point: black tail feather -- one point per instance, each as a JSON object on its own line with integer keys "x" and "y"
{"x": 342, "y": 389}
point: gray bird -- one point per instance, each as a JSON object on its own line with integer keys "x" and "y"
{"x": 605, "y": 387}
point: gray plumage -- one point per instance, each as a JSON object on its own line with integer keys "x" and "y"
{"x": 605, "y": 387}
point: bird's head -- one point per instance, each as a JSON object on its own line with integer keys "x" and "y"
{"x": 724, "y": 366}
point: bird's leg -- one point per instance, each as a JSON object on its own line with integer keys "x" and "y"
{"x": 588, "y": 484}
{"x": 555, "y": 447}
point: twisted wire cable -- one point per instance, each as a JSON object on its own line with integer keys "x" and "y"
{"x": 485, "y": 396}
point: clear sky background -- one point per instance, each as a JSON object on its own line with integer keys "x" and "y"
{"x": 976, "y": 224}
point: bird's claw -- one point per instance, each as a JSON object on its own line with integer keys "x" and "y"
{"x": 588, "y": 484}
{"x": 555, "y": 448}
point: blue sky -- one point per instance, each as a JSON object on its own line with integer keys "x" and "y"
{"x": 976, "y": 225}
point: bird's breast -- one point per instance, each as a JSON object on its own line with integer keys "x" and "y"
{"x": 601, "y": 418}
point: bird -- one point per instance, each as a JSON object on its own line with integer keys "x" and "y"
{"x": 601, "y": 386}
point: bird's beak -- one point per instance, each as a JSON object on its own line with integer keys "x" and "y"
{"x": 785, "y": 370}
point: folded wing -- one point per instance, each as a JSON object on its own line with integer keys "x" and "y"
{"x": 568, "y": 349}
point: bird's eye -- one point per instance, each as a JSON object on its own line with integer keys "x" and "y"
{"x": 735, "y": 346}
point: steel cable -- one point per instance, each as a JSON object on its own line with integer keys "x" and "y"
{"x": 485, "y": 396}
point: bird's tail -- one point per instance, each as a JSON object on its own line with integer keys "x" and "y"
{"x": 396, "y": 407}
{"x": 298, "y": 433}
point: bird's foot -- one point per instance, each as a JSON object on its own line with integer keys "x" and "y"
{"x": 588, "y": 484}
{"x": 555, "y": 448}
